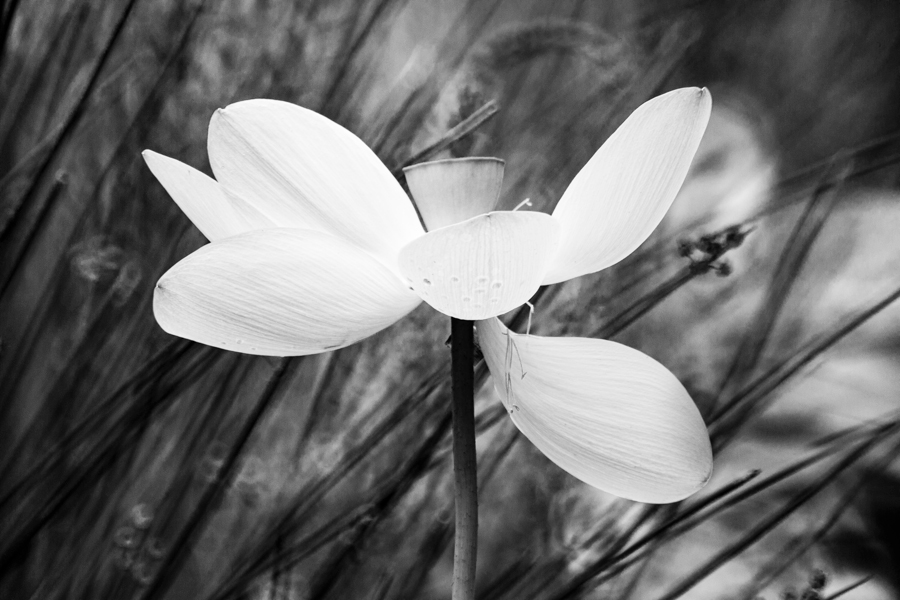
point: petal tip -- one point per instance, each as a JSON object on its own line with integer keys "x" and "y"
{"x": 705, "y": 472}
{"x": 706, "y": 99}
{"x": 160, "y": 292}
{"x": 218, "y": 115}
{"x": 698, "y": 96}
{"x": 152, "y": 158}
{"x": 156, "y": 161}
{"x": 694, "y": 90}
{"x": 702, "y": 477}
{"x": 708, "y": 476}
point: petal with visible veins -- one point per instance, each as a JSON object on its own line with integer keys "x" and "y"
{"x": 280, "y": 292}
{"x": 302, "y": 170}
{"x": 452, "y": 190}
{"x": 620, "y": 196}
{"x": 608, "y": 414}
{"x": 200, "y": 197}
{"x": 482, "y": 267}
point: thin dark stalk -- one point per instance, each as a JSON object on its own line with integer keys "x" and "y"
{"x": 789, "y": 554}
{"x": 639, "y": 573}
{"x": 779, "y": 476}
{"x": 764, "y": 526}
{"x": 811, "y": 170}
{"x": 356, "y": 524}
{"x": 673, "y": 49}
{"x": 721, "y": 243}
{"x": 454, "y": 134}
{"x": 698, "y": 514}
{"x": 806, "y": 231}
{"x": 85, "y": 427}
{"x": 324, "y": 382}
{"x": 769, "y": 381}
{"x": 184, "y": 542}
{"x": 644, "y": 304}
{"x": 380, "y": 592}
{"x": 354, "y": 46}
{"x": 849, "y": 588}
{"x": 677, "y": 519}
{"x": 73, "y": 118}
{"x": 435, "y": 543}
{"x": 854, "y": 431}
{"x": 788, "y": 198}
{"x": 259, "y": 558}
{"x": 125, "y": 148}
{"x": 7, "y": 14}
{"x": 379, "y": 508}
{"x": 411, "y": 116}
{"x": 464, "y": 465}
{"x": 99, "y": 460}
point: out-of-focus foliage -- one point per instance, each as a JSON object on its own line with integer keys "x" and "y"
{"x": 134, "y": 464}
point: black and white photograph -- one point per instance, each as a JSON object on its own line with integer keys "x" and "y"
{"x": 449, "y": 299}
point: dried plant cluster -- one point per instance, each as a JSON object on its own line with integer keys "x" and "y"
{"x": 137, "y": 465}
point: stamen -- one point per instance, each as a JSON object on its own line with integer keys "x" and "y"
{"x": 508, "y": 378}
{"x": 525, "y": 202}
{"x": 530, "y": 314}
{"x": 512, "y": 353}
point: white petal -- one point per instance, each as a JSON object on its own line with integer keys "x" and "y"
{"x": 608, "y": 414}
{"x": 202, "y": 200}
{"x": 302, "y": 170}
{"x": 279, "y": 292}
{"x": 455, "y": 189}
{"x": 620, "y": 196}
{"x": 482, "y": 267}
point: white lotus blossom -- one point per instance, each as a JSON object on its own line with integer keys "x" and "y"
{"x": 315, "y": 246}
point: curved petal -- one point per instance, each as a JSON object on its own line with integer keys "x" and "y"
{"x": 608, "y": 414}
{"x": 482, "y": 267}
{"x": 620, "y": 196}
{"x": 451, "y": 190}
{"x": 302, "y": 170}
{"x": 279, "y": 292}
{"x": 202, "y": 200}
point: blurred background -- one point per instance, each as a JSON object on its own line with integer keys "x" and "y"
{"x": 137, "y": 465}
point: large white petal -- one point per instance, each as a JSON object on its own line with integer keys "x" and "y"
{"x": 482, "y": 267}
{"x": 620, "y": 196}
{"x": 280, "y": 292}
{"x": 302, "y": 170}
{"x": 606, "y": 413}
{"x": 200, "y": 198}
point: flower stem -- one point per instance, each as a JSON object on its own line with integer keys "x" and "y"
{"x": 462, "y": 355}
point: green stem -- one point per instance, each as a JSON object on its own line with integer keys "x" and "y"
{"x": 462, "y": 354}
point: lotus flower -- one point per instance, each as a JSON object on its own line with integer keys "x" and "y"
{"x": 315, "y": 246}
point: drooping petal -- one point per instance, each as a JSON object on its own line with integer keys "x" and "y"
{"x": 453, "y": 190}
{"x": 200, "y": 198}
{"x": 482, "y": 267}
{"x": 606, "y": 413}
{"x": 280, "y": 292}
{"x": 302, "y": 170}
{"x": 620, "y": 196}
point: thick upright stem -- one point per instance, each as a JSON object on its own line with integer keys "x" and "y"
{"x": 464, "y": 468}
